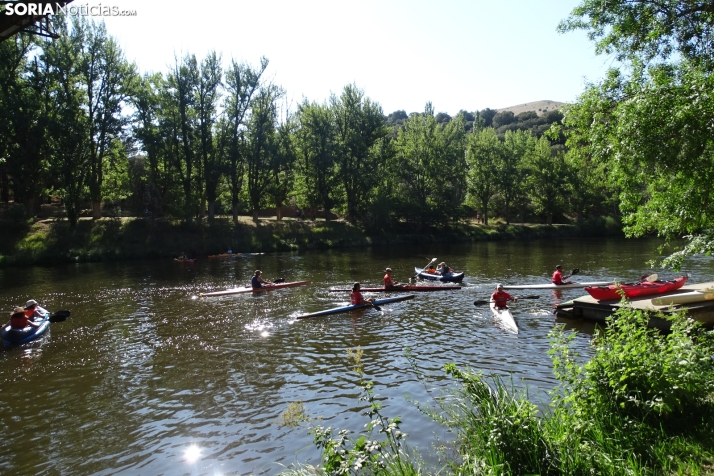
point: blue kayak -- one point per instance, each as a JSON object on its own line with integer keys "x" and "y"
{"x": 355, "y": 307}
{"x": 12, "y": 336}
{"x": 448, "y": 277}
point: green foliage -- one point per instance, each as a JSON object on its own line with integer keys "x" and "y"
{"x": 364, "y": 455}
{"x": 429, "y": 160}
{"x": 639, "y": 373}
{"x": 499, "y": 430}
{"x": 646, "y": 29}
{"x": 483, "y": 152}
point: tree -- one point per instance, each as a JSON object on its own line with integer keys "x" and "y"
{"x": 207, "y": 97}
{"x": 510, "y": 170}
{"x": 61, "y": 59}
{"x": 108, "y": 80}
{"x": 262, "y": 144}
{"x": 25, "y": 104}
{"x": 182, "y": 85}
{"x": 359, "y": 125}
{"x": 428, "y": 158}
{"x": 546, "y": 178}
{"x": 316, "y": 156}
{"x": 483, "y": 152}
{"x": 242, "y": 82}
{"x": 647, "y": 29}
{"x": 651, "y": 126}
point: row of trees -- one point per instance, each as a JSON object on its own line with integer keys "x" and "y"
{"x": 79, "y": 121}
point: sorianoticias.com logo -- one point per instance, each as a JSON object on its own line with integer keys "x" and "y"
{"x": 17, "y": 7}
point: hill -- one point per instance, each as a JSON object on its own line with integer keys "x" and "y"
{"x": 541, "y": 107}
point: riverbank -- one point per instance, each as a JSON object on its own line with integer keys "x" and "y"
{"x": 52, "y": 241}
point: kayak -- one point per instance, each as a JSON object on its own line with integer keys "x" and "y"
{"x": 406, "y": 288}
{"x": 12, "y": 336}
{"x": 684, "y": 298}
{"x": 643, "y": 288}
{"x": 234, "y": 255}
{"x": 504, "y": 315}
{"x": 354, "y": 307}
{"x": 189, "y": 261}
{"x": 556, "y": 286}
{"x": 448, "y": 277}
{"x": 248, "y": 289}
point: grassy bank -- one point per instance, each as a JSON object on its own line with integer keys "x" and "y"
{"x": 109, "y": 239}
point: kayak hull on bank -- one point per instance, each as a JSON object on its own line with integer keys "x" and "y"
{"x": 505, "y": 317}
{"x": 684, "y": 298}
{"x": 556, "y": 286}
{"x": 407, "y": 288}
{"x": 251, "y": 290}
{"x": 447, "y": 278}
{"x": 633, "y": 290}
{"x": 355, "y": 307}
{"x": 28, "y": 333}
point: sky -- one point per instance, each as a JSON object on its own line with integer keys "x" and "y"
{"x": 457, "y": 54}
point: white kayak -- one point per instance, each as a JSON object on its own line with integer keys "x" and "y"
{"x": 684, "y": 298}
{"x": 504, "y": 315}
{"x": 557, "y": 286}
{"x": 248, "y": 289}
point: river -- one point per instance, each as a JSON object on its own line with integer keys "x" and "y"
{"x": 147, "y": 378}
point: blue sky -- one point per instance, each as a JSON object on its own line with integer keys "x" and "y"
{"x": 458, "y": 54}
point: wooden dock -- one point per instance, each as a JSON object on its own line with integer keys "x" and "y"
{"x": 590, "y": 309}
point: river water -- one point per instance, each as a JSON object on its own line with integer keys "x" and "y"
{"x": 147, "y": 378}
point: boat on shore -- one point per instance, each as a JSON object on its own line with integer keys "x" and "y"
{"x": 448, "y": 277}
{"x": 504, "y": 315}
{"x": 406, "y": 288}
{"x": 355, "y": 307}
{"x": 639, "y": 289}
{"x": 556, "y": 286}
{"x": 248, "y": 289}
{"x": 28, "y": 333}
{"x": 186, "y": 261}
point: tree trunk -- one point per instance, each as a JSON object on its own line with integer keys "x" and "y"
{"x": 235, "y": 211}
{"x": 255, "y": 215}
{"x": 96, "y": 209}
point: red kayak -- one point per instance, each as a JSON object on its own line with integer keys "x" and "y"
{"x": 406, "y": 288}
{"x": 644, "y": 288}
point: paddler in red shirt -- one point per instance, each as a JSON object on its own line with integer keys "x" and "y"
{"x": 356, "y": 296}
{"x": 558, "y": 276}
{"x": 19, "y": 319}
{"x": 501, "y": 297}
{"x": 388, "y": 283}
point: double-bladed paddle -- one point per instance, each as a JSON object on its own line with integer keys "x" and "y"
{"x": 481, "y": 302}
{"x": 59, "y": 316}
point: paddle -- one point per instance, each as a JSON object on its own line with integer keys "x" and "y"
{"x": 575, "y": 271}
{"x": 652, "y": 277}
{"x": 433, "y": 260}
{"x": 481, "y": 302}
{"x": 59, "y": 316}
{"x": 377, "y": 308}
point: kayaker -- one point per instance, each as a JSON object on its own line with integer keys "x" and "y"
{"x": 388, "y": 283}
{"x": 182, "y": 256}
{"x": 19, "y": 319}
{"x": 443, "y": 269}
{"x": 501, "y": 297}
{"x": 257, "y": 280}
{"x": 431, "y": 269}
{"x": 356, "y": 295}
{"x": 558, "y": 278}
{"x": 33, "y": 310}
